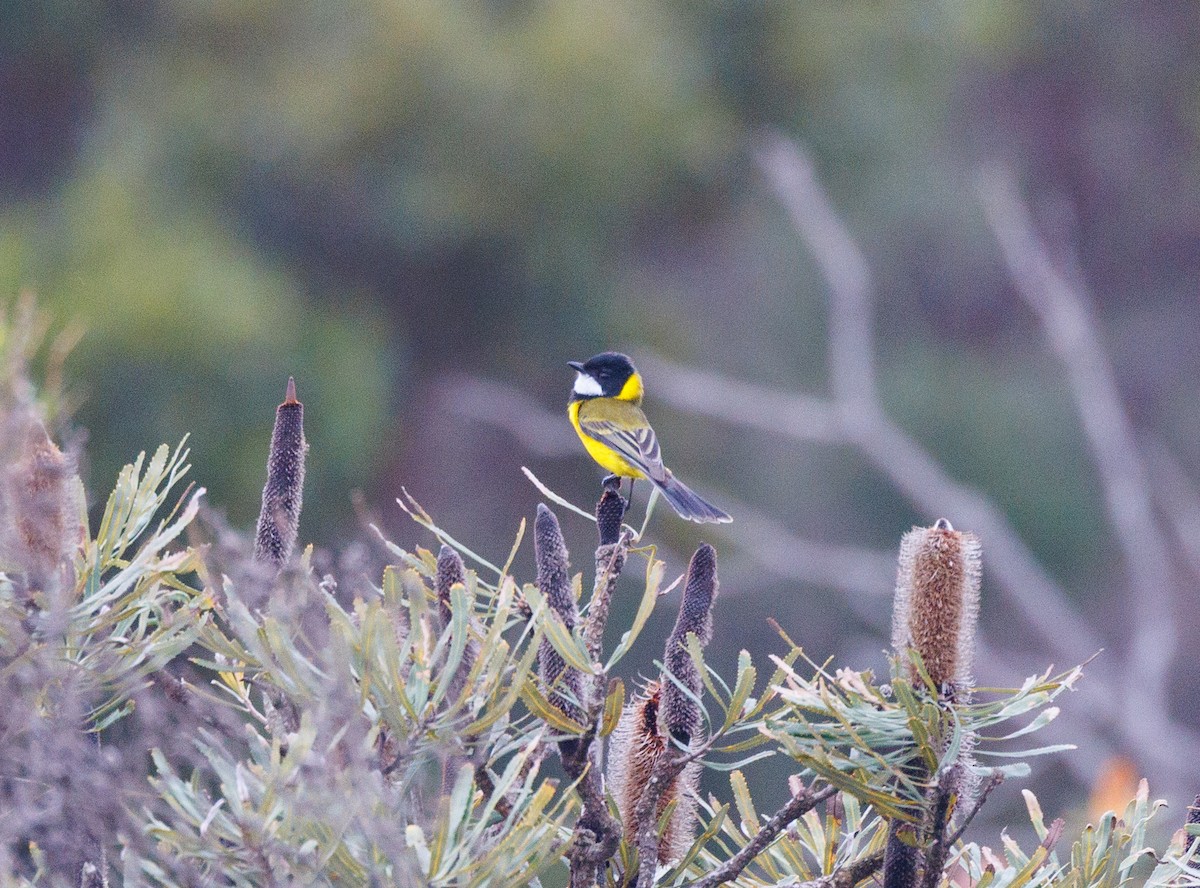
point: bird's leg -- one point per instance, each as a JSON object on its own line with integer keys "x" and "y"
{"x": 629, "y": 502}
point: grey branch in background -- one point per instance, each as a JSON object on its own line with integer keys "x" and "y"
{"x": 854, "y": 416}
{"x": 1063, "y": 310}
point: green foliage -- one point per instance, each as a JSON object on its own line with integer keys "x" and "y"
{"x": 133, "y": 612}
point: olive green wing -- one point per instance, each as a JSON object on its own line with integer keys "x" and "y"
{"x": 624, "y": 427}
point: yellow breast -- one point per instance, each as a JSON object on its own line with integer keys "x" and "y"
{"x": 601, "y": 453}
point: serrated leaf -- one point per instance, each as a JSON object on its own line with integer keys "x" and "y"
{"x": 532, "y": 695}
{"x": 614, "y": 703}
{"x": 746, "y": 677}
{"x": 745, "y": 803}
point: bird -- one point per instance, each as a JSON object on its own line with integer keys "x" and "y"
{"x": 605, "y": 410}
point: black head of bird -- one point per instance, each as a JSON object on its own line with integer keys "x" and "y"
{"x": 607, "y": 375}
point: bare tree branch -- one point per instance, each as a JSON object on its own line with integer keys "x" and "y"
{"x": 797, "y": 806}
{"x": 851, "y": 340}
{"x": 914, "y": 472}
{"x": 857, "y": 571}
{"x": 856, "y": 418}
{"x": 514, "y": 410}
{"x": 797, "y": 416}
{"x": 1179, "y": 500}
{"x": 1063, "y": 310}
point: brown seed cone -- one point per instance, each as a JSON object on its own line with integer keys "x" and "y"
{"x": 637, "y": 745}
{"x": 937, "y": 603}
{"x": 282, "y": 498}
{"x": 46, "y": 503}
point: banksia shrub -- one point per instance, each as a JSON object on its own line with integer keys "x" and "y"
{"x": 172, "y": 714}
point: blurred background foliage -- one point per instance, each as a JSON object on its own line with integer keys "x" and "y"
{"x": 385, "y": 197}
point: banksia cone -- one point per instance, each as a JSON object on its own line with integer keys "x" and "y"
{"x": 610, "y": 510}
{"x": 46, "y": 528}
{"x": 638, "y": 743}
{"x": 935, "y": 613}
{"x": 937, "y": 603}
{"x": 663, "y": 713}
{"x": 554, "y": 582}
{"x": 279, "y": 519}
{"x": 680, "y": 713}
{"x": 452, "y": 572}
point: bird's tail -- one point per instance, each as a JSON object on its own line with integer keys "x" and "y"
{"x": 689, "y": 504}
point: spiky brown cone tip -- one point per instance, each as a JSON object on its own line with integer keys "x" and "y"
{"x": 279, "y": 519}
{"x": 610, "y": 511}
{"x": 681, "y": 713}
{"x": 554, "y": 582}
{"x": 637, "y": 745}
{"x": 937, "y": 602}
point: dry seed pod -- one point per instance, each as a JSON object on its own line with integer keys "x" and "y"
{"x": 637, "y": 744}
{"x": 46, "y": 499}
{"x": 279, "y": 519}
{"x": 937, "y": 603}
{"x": 554, "y": 582}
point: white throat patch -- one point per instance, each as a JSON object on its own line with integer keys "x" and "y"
{"x": 587, "y": 386}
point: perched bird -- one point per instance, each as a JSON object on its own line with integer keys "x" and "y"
{"x": 604, "y": 409}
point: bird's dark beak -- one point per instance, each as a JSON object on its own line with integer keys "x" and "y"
{"x": 576, "y": 366}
